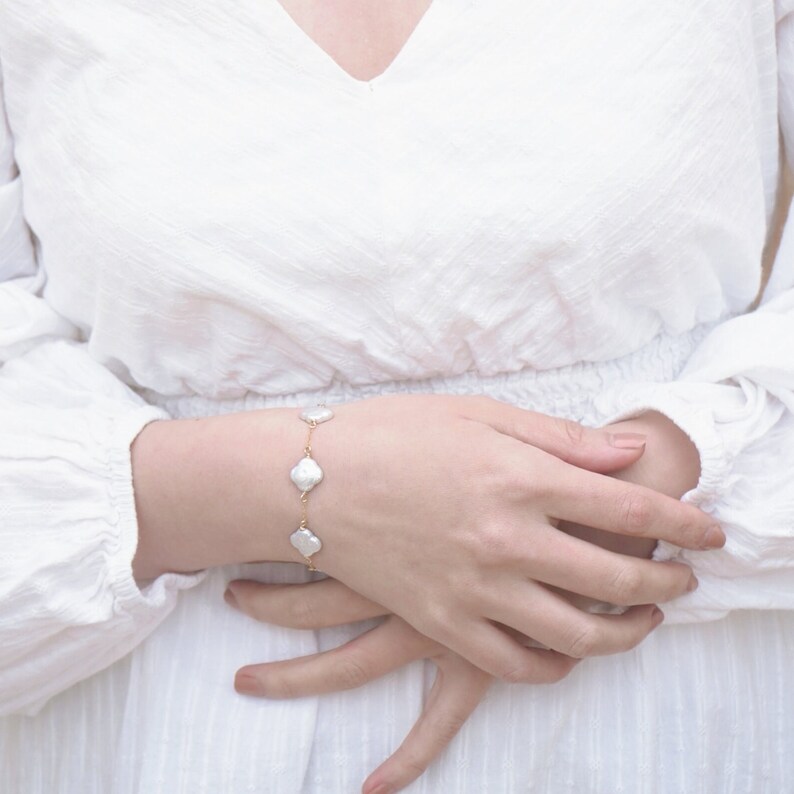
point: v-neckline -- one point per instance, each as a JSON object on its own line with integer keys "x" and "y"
{"x": 305, "y": 42}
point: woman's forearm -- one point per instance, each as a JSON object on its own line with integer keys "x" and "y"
{"x": 215, "y": 491}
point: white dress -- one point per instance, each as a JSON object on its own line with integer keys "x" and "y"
{"x": 562, "y": 205}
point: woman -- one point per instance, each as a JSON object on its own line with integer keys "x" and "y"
{"x": 561, "y": 208}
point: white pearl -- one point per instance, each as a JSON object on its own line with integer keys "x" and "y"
{"x": 305, "y": 541}
{"x": 319, "y": 414}
{"x": 306, "y": 473}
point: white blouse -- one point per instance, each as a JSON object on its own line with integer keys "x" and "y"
{"x": 562, "y": 205}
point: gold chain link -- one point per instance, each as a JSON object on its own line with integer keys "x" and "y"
{"x": 307, "y": 451}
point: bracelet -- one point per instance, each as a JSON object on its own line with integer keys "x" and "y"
{"x": 306, "y": 473}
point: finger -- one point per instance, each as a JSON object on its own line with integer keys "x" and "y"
{"x": 493, "y": 651}
{"x": 572, "y": 564}
{"x": 387, "y": 647}
{"x": 595, "y": 500}
{"x": 458, "y": 689}
{"x": 550, "y": 619}
{"x": 311, "y": 605}
{"x": 595, "y": 449}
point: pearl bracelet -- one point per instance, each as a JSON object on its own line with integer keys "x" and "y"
{"x": 306, "y": 473}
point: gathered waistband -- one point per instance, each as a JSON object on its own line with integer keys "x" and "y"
{"x": 565, "y": 391}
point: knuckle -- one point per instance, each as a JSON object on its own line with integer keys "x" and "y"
{"x": 438, "y": 622}
{"x": 636, "y": 511}
{"x": 515, "y": 482}
{"x": 495, "y": 543}
{"x": 541, "y": 484}
{"x": 279, "y": 684}
{"x": 516, "y": 674}
{"x": 480, "y": 473}
{"x": 350, "y": 673}
{"x": 584, "y": 640}
{"x": 627, "y": 585}
{"x": 447, "y": 728}
{"x": 489, "y": 475}
{"x": 691, "y": 528}
{"x": 571, "y": 431}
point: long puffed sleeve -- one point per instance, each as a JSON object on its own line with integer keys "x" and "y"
{"x": 69, "y": 605}
{"x": 735, "y": 400}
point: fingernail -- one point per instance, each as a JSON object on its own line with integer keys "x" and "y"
{"x": 230, "y": 599}
{"x": 246, "y": 684}
{"x": 383, "y": 788}
{"x": 657, "y": 616}
{"x": 627, "y": 440}
{"x": 693, "y": 584}
{"x": 714, "y": 537}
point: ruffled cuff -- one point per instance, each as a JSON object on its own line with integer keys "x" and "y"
{"x": 69, "y": 603}
{"x": 724, "y": 422}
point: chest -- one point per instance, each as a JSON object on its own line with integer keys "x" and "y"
{"x": 362, "y": 37}
{"x": 518, "y": 175}
{"x": 532, "y": 104}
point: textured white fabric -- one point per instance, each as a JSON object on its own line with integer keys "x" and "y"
{"x": 559, "y": 204}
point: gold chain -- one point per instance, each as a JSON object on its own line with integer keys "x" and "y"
{"x": 307, "y": 451}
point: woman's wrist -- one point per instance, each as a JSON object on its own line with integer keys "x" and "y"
{"x": 671, "y": 463}
{"x": 215, "y": 491}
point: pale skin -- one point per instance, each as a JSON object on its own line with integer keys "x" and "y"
{"x": 361, "y": 36}
{"x": 668, "y": 464}
{"x": 483, "y": 548}
{"x": 536, "y": 517}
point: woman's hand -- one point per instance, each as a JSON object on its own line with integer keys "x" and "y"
{"x": 444, "y": 509}
{"x": 457, "y": 690}
{"x": 671, "y": 465}
{"x": 441, "y": 508}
